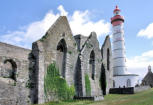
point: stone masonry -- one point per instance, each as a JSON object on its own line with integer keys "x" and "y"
{"x": 14, "y": 71}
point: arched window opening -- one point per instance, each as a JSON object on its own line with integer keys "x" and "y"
{"x": 103, "y": 79}
{"x": 108, "y": 58}
{"x": 92, "y": 64}
{"x": 102, "y": 53}
{"x": 128, "y": 83}
{"x": 10, "y": 69}
{"x": 78, "y": 79}
{"x": 61, "y": 56}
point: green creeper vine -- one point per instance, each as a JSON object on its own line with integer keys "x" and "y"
{"x": 57, "y": 85}
{"x": 87, "y": 85}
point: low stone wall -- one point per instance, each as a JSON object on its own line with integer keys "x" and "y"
{"x": 95, "y": 98}
{"x": 129, "y": 90}
{"x": 141, "y": 88}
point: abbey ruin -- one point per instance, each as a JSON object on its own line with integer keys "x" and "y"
{"x": 78, "y": 59}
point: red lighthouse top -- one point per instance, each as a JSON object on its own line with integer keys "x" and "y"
{"x": 117, "y": 19}
{"x": 116, "y": 9}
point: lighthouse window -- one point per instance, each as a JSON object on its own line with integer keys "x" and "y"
{"x": 128, "y": 83}
{"x": 113, "y": 84}
{"x": 117, "y": 12}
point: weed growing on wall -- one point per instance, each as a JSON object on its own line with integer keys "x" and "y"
{"x": 56, "y": 85}
{"x": 87, "y": 85}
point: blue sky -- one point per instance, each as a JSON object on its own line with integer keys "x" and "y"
{"x": 18, "y": 19}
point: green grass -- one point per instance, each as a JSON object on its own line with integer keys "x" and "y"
{"x": 142, "y": 98}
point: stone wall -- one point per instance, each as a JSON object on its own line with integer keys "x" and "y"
{"x": 107, "y": 62}
{"x": 14, "y": 75}
{"x": 90, "y": 46}
{"x": 141, "y": 88}
{"x": 13, "y": 51}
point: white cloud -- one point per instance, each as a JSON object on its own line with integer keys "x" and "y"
{"x": 79, "y": 21}
{"x": 62, "y": 11}
{"x": 148, "y": 32}
{"x": 139, "y": 64}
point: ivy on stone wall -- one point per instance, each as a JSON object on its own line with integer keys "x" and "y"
{"x": 87, "y": 85}
{"x": 70, "y": 52}
{"x": 44, "y": 37}
{"x": 56, "y": 85}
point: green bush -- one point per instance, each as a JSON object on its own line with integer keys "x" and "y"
{"x": 87, "y": 85}
{"x": 57, "y": 85}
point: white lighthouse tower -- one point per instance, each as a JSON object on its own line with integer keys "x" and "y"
{"x": 121, "y": 77}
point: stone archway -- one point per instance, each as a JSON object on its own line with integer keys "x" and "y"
{"x": 103, "y": 79}
{"x": 61, "y": 56}
{"x": 92, "y": 64}
{"x": 10, "y": 69}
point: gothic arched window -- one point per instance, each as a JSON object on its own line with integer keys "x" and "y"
{"x": 108, "y": 62}
{"x": 92, "y": 64}
{"x": 61, "y": 56}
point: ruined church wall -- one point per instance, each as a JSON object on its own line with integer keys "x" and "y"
{"x": 14, "y": 51}
{"x": 47, "y": 53}
{"x": 61, "y": 30}
{"x": 90, "y": 45}
{"x": 14, "y": 91}
{"x": 109, "y": 73}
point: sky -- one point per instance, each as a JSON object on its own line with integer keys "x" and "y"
{"x": 25, "y": 21}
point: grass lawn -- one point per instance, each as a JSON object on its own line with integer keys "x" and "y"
{"x": 141, "y": 98}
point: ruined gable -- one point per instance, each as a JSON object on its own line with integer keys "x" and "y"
{"x": 106, "y": 67}
{"x": 90, "y": 60}
{"x": 80, "y": 40}
{"x": 59, "y": 30}
{"x": 59, "y": 46}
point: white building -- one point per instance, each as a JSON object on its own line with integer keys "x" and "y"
{"x": 121, "y": 77}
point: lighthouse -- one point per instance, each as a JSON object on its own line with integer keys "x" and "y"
{"x": 121, "y": 77}
{"x": 119, "y": 59}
